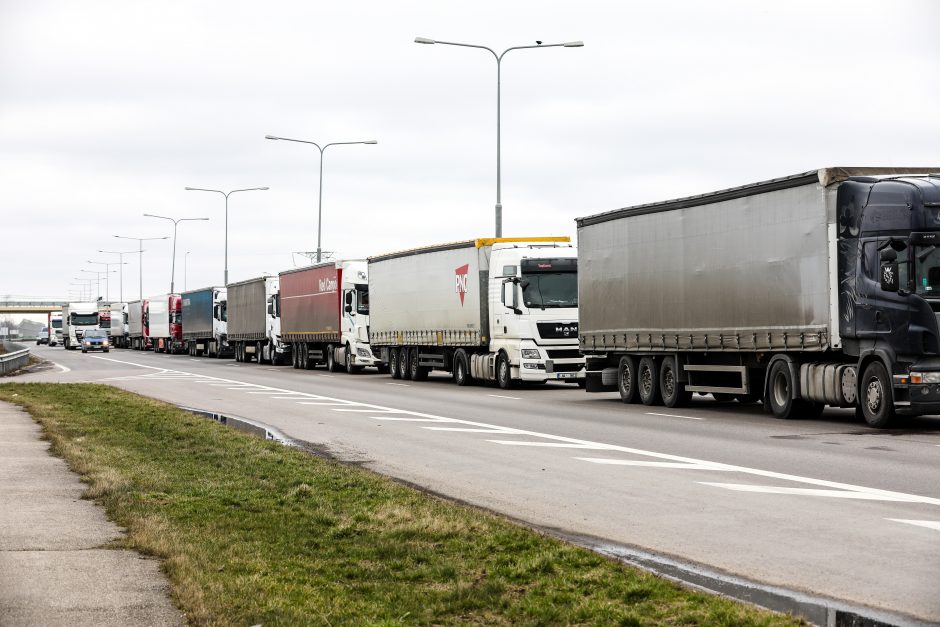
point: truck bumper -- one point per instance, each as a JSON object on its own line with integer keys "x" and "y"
{"x": 363, "y": 356}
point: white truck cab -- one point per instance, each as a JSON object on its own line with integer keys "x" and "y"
{"x": 77, "y": 318}
{"x": 355, "y": 317}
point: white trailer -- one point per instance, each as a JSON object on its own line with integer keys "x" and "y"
{"x": 501, "y": 310}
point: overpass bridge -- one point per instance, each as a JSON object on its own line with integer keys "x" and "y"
{"x": 31, "y": 306}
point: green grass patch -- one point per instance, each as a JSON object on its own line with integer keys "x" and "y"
{"x": 252, "y": 532}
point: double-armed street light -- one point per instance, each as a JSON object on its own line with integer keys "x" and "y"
{"x": 98, "y": 274}
{"x": 226, "y": 194}
{"x": 85, "y": 286}
{"x": 175, "y": 222}
{"x": 320, "y": 204}
{"x": 140, "y": 252}
{"x": 107, "y": 283}
{"x": 499, "y": 60}
{"x": 121, "y": 262}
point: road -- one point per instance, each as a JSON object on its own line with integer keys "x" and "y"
{"x": 828, "y": 507}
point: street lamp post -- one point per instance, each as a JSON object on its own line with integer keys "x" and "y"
{"x": 175, "y": 222}
{"x": 185, "y": 265}
{"x": 499, "y": 60}
{"x": 107, "y": 283}
{"x": 140, "y": 252}
{"x": 85, "y": 285}
{"x": 98, "y": 274}
{"x": 226, "y": 194}
{"x": 320, "y": 203}
{"x": 121, "y": 264}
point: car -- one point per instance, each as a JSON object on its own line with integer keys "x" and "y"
{"x": 95, "y": 340}
{"x": 43, "y": 337}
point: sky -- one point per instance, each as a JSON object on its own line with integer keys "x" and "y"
{"x": 109, "y": 109}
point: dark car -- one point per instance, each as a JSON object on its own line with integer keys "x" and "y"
{"x": 95, "y": 340}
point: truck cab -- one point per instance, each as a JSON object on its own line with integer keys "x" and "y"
{"x": 534, "y": 311}
{"x": 355, "y": 315}
{"x": 78, "y": 318}
{"x": 55, "y": 333}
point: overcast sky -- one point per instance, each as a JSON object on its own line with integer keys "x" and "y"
{"x": 109, "y": 109}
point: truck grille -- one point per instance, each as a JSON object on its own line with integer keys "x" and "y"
{"x": 558, "y": 330}
{"x": 563, "y": 353}
{"x": 567, "y": 367}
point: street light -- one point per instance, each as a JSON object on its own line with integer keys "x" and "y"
{"x": 226, "y": 194}
{"x": 325, "y": 146}
{"x": 98, "y": 274}
{"x": 185, "y": 265}
{"x": 107, "y": 283}
{"x": 499, "y": 59}
{"x": 120, "y": 254}
{"x": 140, "y": 252}
{"x": 175, "y": 222}
{"x": 85, "y": 285}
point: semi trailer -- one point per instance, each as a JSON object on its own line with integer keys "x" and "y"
{"x": 503, "y": 310}
{"x": 254, "y": 326}
{"x": 204, "y": 315}
{"x": 324, "y": 312}
{"x": 138, "y": 329}
{"x": 77, "y": 318}
{"x": 816, "y": 289}
{"x": 165, "y": 323}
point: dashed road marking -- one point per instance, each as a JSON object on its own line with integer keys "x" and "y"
{"x": 652, "y": 413}
{"x": 404, "y": 385}
{"x": 861, "y": 494}
{"x": 514, "y": 398}
{"x": 635, "y": 462}
{"x": 929, "y": 524}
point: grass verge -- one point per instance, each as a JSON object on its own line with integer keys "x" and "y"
{"x": 254, "y": 533}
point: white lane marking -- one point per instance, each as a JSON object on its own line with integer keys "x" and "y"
{"x": 265, "y": 392}
{"x": 319, "y": 403}
{"x": 515, "y": 398}
{"x": 285, "y": 398}
{"x": 635, "y": 462}
{"x": 929, "y": 524}
{"x": 549, "y": 444}
{"x": 404, "y": 385}
{"x": 768, "y": 474}
{"x": 837, "y": 494}
{"x": 472, "y": 430}
{"x": 368, "y": 411}
{"x": 396, "y": 419}
{"x": 64, "y": 369}
{"x": 651, "y": 413}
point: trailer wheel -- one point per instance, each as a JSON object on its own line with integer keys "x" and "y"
{"x": 461, "y": 368}
{"x": 876, "y": 396}
{"x": 626, "y": 379}
{"x": 294, "y": 354}
{"x": 674, "y": 393}
{"x": 648, "y": 382}
{"x": 504, "y": 372}
{"x": 418, "y": 372}
{"x": 393, "y": 363}
{"x": 403, "y": 370}
{"x": 780, "y": 394}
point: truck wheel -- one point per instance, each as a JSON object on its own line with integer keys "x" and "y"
{"x": 418, "y": 372}
{"x": 259, "y": 353}
{"x": 404, "y": 363}
{"x": 350, "y": 368}
{"x": 876, "y": 396}
{"x": 626, "y": 379}
{"x": 674, "y": 393}
{"x": 780, "y": 393}
{"x": 393, "y": 363}
{"x": 647, "y": 379}
{"x": 331, "y": 358}
{"x": 461, "y": 369}
{"x": 504, "y": 373}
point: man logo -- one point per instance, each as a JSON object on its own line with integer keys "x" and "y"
{"x": 461, "y": 281}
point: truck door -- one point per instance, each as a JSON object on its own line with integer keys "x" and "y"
{"x": 877, "y": 312}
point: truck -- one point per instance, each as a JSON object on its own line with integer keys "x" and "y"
{"x": 254, "y": 324}
{"x": 164, "y": 319}
{"x": 204, "y": 315}
{"x": 77, "y": 318}
{"x": 55, "y": 329}
{"x": 324, "y": 311}
{"x": 138, "y": 328}
{"x": 117, "y": 332}
{"x": 503, "y": 310}
{"x": 104, "y": 317}
{"x": 809, "y": 290}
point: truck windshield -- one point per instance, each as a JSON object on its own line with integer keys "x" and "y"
{"x": 362, "y": 299}
{"x": 175, "y": 317}
{"x": 547, "y": 290}
{"x": 927, "y": 271}
{"x": 223, "y": 311}
{"x": 104, "y": 323}
{"x": 84, "y": 319}
{"x": 57, "y": 324}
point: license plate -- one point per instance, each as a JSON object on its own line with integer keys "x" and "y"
{"x": 566, "y": 375}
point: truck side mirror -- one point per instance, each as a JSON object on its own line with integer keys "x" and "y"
{"x": 348, "y": 308}
{"x": 348, "y": 299}
{"x": 890, "y": 280}
{"x": 509, "y": 296}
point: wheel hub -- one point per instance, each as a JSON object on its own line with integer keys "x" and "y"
{"x": 873, "y": 395}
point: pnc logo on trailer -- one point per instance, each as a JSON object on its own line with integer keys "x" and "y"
{"x": 461, "y": 281}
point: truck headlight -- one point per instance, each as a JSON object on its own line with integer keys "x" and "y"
{"x": 363, "y": 352}
{"x": 925, "y": 377}
{"x": 530, "y": 353}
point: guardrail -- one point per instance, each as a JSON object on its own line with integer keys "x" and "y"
{"x": 16, "y": 357}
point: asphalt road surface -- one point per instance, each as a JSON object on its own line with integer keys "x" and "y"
{"x": 828, "y": 507}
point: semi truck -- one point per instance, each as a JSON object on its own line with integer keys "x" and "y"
{"x": 164, "y": 320}
{"x": 104, "y": 317}
{"x": 816, "y": 289}
{"x": 138, "y": 329}
{"x": 503, "y": 310}
{"x": 254, "y": 326}
{"x": 204, "y": 318}
{"x": 324, "y": 312}
{"x": 118, "y": 325}
{"x": 55, "y": 329}
{"x": 77, "y": 318}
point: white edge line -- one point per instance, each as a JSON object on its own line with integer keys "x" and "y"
{"x": 514, "y": 398}
{"x": 652, "y": 413}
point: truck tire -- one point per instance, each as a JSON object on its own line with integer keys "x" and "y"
{"x": 331, "y": 359}
{"x": 461, "y": 368}
{"x": 393, "y": 363}
{"x": 626, "y": 379}
{"x": 780, "y": 394}
{"x": 418, "y": 372}
{"x": 647, "y": 379}
{"x": 673, "y": 392}
{"x": 504, "y": 372}
{"x": 350, "y": 367}
{"x": 876, "y": 396}
{"x": 259, "y": 352}
{"x": 293, "y": 358}
{"x": 404, "y": 363}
